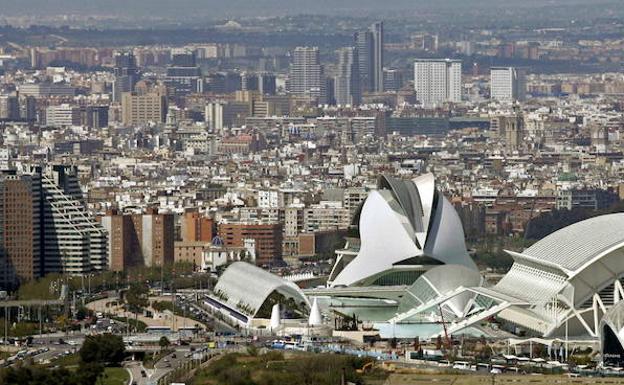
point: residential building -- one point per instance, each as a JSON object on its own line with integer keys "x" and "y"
{"x": 437, "y": 81}
{"x": 507, "y": 83}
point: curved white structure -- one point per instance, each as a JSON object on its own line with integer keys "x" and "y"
{"x": 438, "y": 282}
{"x": 567, "y": 280}
{"x": 406, "y": 226}
{"x": 612, "y": 336}
{"x": 243, "y": 289}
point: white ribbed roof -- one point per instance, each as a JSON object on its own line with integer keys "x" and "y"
{"x": 577, "y": 244}
{"x": 248, "y": 284}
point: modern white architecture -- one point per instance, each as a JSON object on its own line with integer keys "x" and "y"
{"x": 405, "y": 228}
{"x": 562, "y": 285}
{"x": 246, "y": 295}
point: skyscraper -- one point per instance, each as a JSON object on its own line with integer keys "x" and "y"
{"x": 306, "y": 74}
{"x": 19, "y": 229}
{"x": 507, "y": 83}
{"x": 364, "y": 45}
{"x": 437, "y": 81}
{"x": 378, "y": 56}
{"x": 73, "y": 242}
{"x": 369, "y": 44}
{"x": 126, "y": 74}
{"x": 347, "y": 81}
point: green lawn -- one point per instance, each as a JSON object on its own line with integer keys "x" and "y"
{"x": 115, "y": 376}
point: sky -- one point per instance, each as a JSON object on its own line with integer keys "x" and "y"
{"x": 237, "y": 8}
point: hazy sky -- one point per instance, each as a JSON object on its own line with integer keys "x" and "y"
{"x": 225, "y": 8}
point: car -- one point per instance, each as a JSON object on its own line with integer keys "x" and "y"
{"x": 173, "y": 355}
{"x": 143, "y": 374}
{"x": 166, "y": 360}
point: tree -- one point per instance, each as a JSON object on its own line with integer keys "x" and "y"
{"x": 62, "y": 322}
{"x": 136, "y": 297}
{"x": 164, "y": 342}
{"x": 103, "y": 349}
{"x": 82, "y": 313}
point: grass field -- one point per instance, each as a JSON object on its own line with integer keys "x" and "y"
{"x": 115, "y": 376}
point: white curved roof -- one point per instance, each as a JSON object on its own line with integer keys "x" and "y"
{"x": 614, "y": 319}
{"x": 440, "y": 281}
{"x": 405, "y": 219}
{"x": 572, "y": 247}
{"x": 248, "y": 284}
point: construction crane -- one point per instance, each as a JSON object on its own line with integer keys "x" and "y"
{"x": 447, "y": 340}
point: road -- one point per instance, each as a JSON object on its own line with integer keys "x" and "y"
{"x": 175, "y": 323}
{"x": 145, "y": 376}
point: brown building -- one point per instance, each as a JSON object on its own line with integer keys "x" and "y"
{"x": 141, "y": 109}
{"x": 197, "y": 227}
{"x": 139, "y": 239}
{"x": 191, "y": 251}
{"x": 266, "y": 239}
{"x": 19, "y": 230}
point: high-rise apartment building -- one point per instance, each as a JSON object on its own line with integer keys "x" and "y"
{"x": 139, "y": 239}
{"x": 306, "y": 74}
{"x": 73, "y": 242}
{"x": 507, "y": 83}
{"x": 19, "y": 229}
{"x": 437, "y": 81}
{"x": 347, "y": 81}
{"x": 142, "y": 109}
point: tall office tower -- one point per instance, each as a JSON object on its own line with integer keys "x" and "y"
{"x": 306, "y": 74}
{"x": 437, "y": 81}
{"x": 369, "y": 44}
{"x": 378, "y": 56}
{"x": 19, "y": 229}
{"x": 28, "y": 108}
{"x": 507, "y": 83}
{"x": 184, "y": 75}
{"x": 142, "y": 109}
{"x": 364, "y": 45}
{"x": 73, "y": 241}
{"x": 266, "y": 84}
{"x": 126, "y": 74}
{"x": 347, "y": 81}
{"x": 9, "y": 107}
